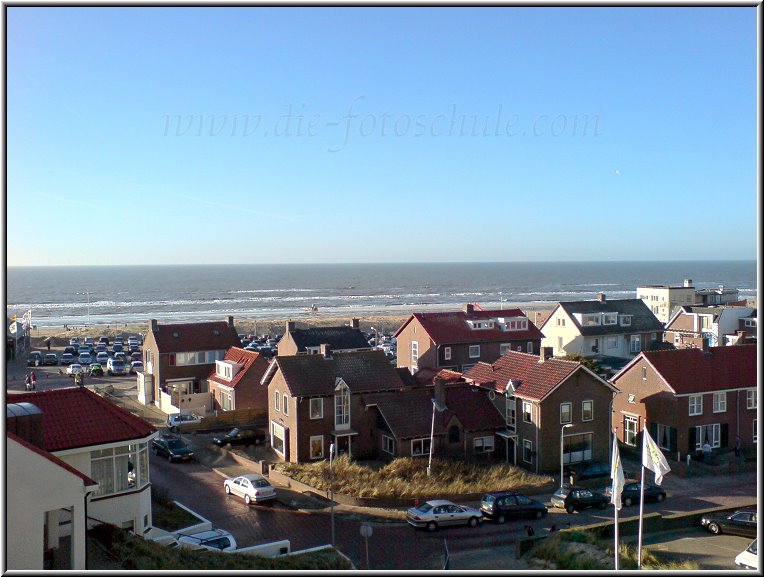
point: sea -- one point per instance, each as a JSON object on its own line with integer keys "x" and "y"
{"x": 108, "y": 295}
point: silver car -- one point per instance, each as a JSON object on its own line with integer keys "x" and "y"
{"x": 252, "y": 487}
{"x": 438, "y": 513}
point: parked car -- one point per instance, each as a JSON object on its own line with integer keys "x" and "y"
{"x": 74, "y": 342}
{"x": 102, "y": 357}
{"x": 253, "y": 487}
{"x": 82, "y": 349}
{"x": 116, "y": 348}
{"x": 134, "y": 348}
{"x": 214, "y": 539}
{"x": 749, "y": 559}
{"x": 89, "y": 341}
{"x": 34, "y": 359}
{"x": 240, "y": 437}
{"x": 95, "y": 369}
{"x": 119, "y": 341}
{"x": 177, "y": 420}
{"x": 584, "y": 471}
{"x": 71, "y": 350}
{"x": 101, "y": 348}
{"x": 50, "y": 359}
{"x": 742, "y": 522}
{"x": 104, "y": 340}
{"x": 172, "y": 447}
{"x": 631, "y": 493}
{"x": 67, "y": 359}
{"x": 136, "y": 356}
{"x": 74, "y": 369}
{"x": 135, "y": 367}
{"x": 85, "y": 359}
{"x": 116, "y": 366}
{"x": 119, "y": 356}
{"x": 439, "y": 513}
{"x": 574, "y": 499}
{"x": 505, "y": 505}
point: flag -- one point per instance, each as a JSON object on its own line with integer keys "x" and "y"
{"x": 616, "y": 473}
{"x": 652, "y": 457}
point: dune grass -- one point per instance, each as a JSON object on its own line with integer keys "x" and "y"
{"x": 407, "y": 478}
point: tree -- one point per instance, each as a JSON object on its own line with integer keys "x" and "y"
{"x": 591, "y": 364}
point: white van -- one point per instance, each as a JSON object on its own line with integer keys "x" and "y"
{"x": 176, "y": 420}
{"x": 117, "y": 367}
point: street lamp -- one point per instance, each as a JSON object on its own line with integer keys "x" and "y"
{"x": 435, "y": 406}
{"x": 562, "y": 435}
{"x": 331, "y": 486}
{"x": 376, "y": 336}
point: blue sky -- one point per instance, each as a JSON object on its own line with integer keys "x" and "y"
{"x": 267, "y": 135}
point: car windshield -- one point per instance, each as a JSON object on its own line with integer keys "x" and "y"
{"x": 561, "y": 492}
{"x": 175, "y": 444}
{"x": 489, "y": 499}
{"x": 424, "y": 508}
{"x": 233, "y": 432}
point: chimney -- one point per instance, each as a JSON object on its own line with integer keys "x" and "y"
{"x": 439, "y": 384}
{"x": 290, "y": 326}
{"x": 688, "y": 283}
{"x": 601, "y": 297}
{"x": 153, "y": 325}
{"x": 469, "y": 308}
{"x": 326, "y": 350}
{"x": 355, "y": 323}
{"x": 546, "y": 353}
{"x": 230, "y": 321}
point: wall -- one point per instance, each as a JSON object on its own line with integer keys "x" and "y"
{"x": 427, "y": 350}
{"x": 571, "y": 338}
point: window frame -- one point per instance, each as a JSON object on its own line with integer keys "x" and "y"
{"x": 751, "y": 395}
{"x": 388, "y": 445}
{"x": 310, "y": 447}
{"x": 285, "y": 405}
{"x": 504, "y": 348}
{"x": 720, "y": 402}
{"x": 277, "y": 401}
{"x": 569, "y": 406}
{"x": 483, "y": 443}
{"x": 584, "y": 410}
{"x": 446, "y": 353}
{"x": 472, "y": 354}
{"x": 695, "y": 405}
{"x": 414, "y": 354}
{"x": 321, "y": 407}
{"x": 527, "y": 446}
{"x": 629, "y": 437}
{"x": 529, "y": 412}
{"x": 424, "y": 442}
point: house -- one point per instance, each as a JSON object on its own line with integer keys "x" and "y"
{"x": 618, "y": 329}
{"x": 548, "y": 402}
{"x": 663, "y": 299}
{"x": 716, "y": 296}
{"x": 316, "y": 400}
{"x": 746, "y": 332}
{"x": 97, "y": 442}
{"x": 688, "y": 396}
{"x": 704, "y": 326}
{"x": 235, "y": 381}
{"x": 178, "y": 358}
{"x": 460, "y": 420}
{"x": 458, "y": 340}
{"x": 33, "y": 535}
{"x": 308, "y": 341}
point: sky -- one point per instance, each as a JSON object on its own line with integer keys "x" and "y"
{"x": 151, "y": 135}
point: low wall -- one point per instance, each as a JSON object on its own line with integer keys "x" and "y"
{"x": 274, "y": 549}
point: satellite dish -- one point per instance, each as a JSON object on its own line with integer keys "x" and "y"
{"x": 491, "y": 395}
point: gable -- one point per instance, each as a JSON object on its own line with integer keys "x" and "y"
{"x": 188, "y": 337}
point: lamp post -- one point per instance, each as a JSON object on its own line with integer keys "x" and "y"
{"x": 376, "y": 336}
{"x": 562, "y": 435}
{"x": 435, "y": 406}
{"x": 331, "y": 486}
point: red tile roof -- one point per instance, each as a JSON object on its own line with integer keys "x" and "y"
{"x": 254, "y": 367}
{"x": 473, "y": 408}
{"x": 206, "y": 336}
{"x": 695, "y": 371}
{"x": 87, "y": 481}
{"x": 537, "y": 379}
{"x": 76, "y": 417}
{"x": 452, "y": 328}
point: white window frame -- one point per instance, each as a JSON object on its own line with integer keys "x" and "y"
{"x": 504, "y": 348}
{"x": 695, "y": 403}
{"x": 629, "y": 436}
{"x": 278, "y": 432}
{"x": 310, "y": 445}
{"x": 483, "y": 445}
{"x": 388, "y": 445}
{"x": 529, "y": 406}
{"x": 751, "y": 400}
{"x": 342, "y": 406}
{"x": 528, "y": 445}
{"x": 447, "y": 353}
{"x": 319, "y": 401}
{"x": 635, "y": 344}
{"x": 423, "y": 443}
{"x": 529, "y": 347}
{"x": 474, "y": 351}
{"x": 277, "y": 401}
{"x": 285, "y": 405}
{"x": 715, "y": 436}
{"x": 610, "y": 319}
{"x": 720, "y": 402}
{"x": 414, "y": 354}
{"x": 570, "y": 413}
{"x": 644, "y": 373}
{"x": 590, "y": 410}
{"x": 611, "y": 343}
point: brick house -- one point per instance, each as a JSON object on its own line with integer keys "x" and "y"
{"x": 316, "y": 400}
{"x": 617, "y": 329}
{"x": 704, "y": 326}
{"x": 540, "y": 395}
{"x": 746, "y": 332}
{"x": 458, "y": 340}
{"x": 308, "y": 341}
{"x": 235, "y": 381}
{"x": 687, "y": 396}
{"x": 178, "y": 358}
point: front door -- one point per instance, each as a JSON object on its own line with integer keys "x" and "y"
{"x": 343, "y": 445}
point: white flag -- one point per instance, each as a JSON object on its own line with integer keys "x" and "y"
{"x": 616, "y": 473}
{"x": 653, "y": 458}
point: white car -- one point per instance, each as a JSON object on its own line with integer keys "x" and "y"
{"x": 253, "y": 487}
{"x": 74, "y": 369}
{"x": 214, "y": 539}
{"x": 177, "y": 420}
{"x": 749, "y": 559}
{"x": 135, "y": 367}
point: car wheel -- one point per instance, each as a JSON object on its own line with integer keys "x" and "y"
{"x": 500, "y": 519}
{"x": 660, "y": 497}
{"x": 627, "y": 501}
{"x": 247, "y": 499}
{"x": 227, "y": 490}
{"x": 538, "y": 514}
{"x": 714, "y": 528}
{"x": 473, "y": 522}
{"x": 570, "y": 508}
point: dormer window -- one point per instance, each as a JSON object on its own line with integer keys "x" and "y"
{"x": 590, "y": 320}
{"x": 609, "y": 318}
{"x": 625, "y": 320}
{"x": 480, "y": 324}
{"x": 227, "y": 370}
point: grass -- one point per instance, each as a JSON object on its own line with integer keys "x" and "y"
{"x": 136, "y": 553}
{"x": 166, "y": 514}
{"x": 407, "y": 478}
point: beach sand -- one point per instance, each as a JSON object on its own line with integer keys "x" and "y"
{"x": 384, "y": 323}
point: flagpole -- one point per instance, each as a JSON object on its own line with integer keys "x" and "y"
{"x": 641, "y": 500}
{"x": 616, "y": 538}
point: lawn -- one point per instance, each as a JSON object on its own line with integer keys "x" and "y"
{"x": 166, "y": 514}
{"x": 407, "y": 478}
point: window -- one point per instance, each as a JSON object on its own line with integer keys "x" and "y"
{"x": 577, "y": 448}
{"x": 705, "y": 321}
{"x": 342, "y": 405}
{"x": 388, "y": 444}
{"x": 751, "y": 399}
{"x": 663, "y": 437}
{"x": 511, "y": 412}
{"x": 710, "y": 433}
{"x": 527, "y": 412}
{"x": 474, "y": 351}
{"x": 565, "y": 413}
{"x": 225, "y": 401}
{"x": 277, "y": 402}
{"x": 420, "y": 447}
{"x": 317, "y": 408}
{"x": 644, "y": 373}
{"x": 636, "y": 344}
{"x": 610, "y": 319}
{"x": 559, "y": 344}
{"x": 414, "y": 354}
{"x": 483, "y": 444}
{"x": 750, "y": 322}
{"x": 720, "y": 402}
{"x": 611, "y": 342}
{"x": 285, "y": 407}
{"x": 527, "y": 451}
{"x": 519, "y": 348}
{"x": 467, "y": 367}
{"x": 630, "y": 431}
{"x": 653, "y": 337}
{"x": 278, "y": 434}
{"x": 696, "y": 404}
{"x": 529, "y": 347}
{"x": 119, "y": 469}
{"x": 317, "y": 447}
{"x": 587, "y": 410}
{"x": 677, "y": 339}
{"x": 632, "y": 398}
{"x": 560, "y": 322}
{"x": 626, "y": 320}
{"x": 504, "y": 347}
{"x": 447, "y": 353}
